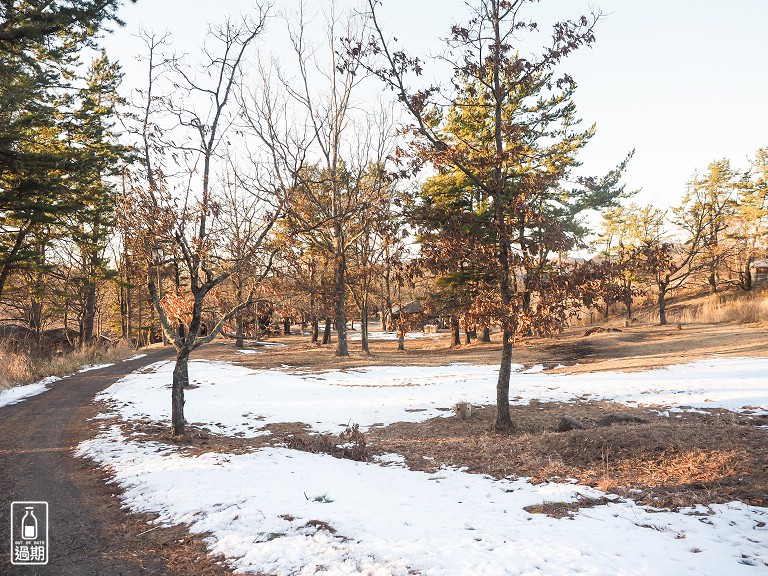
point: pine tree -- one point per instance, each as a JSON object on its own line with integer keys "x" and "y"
{"x": 749, "y": 228}
{"x": 713, "y": 196}
{"x": 98, "y": 156}
{"x": 39, "y": 42}
{"x": 511, "y": 131}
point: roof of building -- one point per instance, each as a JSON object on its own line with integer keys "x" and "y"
{"x": 414, "y": 307}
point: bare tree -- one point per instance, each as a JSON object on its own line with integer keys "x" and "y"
{"x": 246, "y": 212}
{"x": 186, "y": 219}
{"x": 330, "y": 198}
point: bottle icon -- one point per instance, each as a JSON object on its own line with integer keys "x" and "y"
{"x": 29, "y": 524}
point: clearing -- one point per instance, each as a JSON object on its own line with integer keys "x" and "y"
{"x": 277, "y": 479}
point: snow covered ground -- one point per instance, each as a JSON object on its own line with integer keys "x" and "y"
{"x": 232, "y": 399}
{"x": 269, "y": 511}
{"x": 18, "y": 393}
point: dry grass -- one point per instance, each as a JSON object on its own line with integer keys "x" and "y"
{"x": 640, "y": 347}
{"x": 565, "y": 509}
{"x": 668, "y": 462}
{"x": 21, "y": 368}
{"x": 734, "y": 307}
{"x": 351, "y": 444}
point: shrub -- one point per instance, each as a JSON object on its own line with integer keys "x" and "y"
{"x": 350, "y": 444}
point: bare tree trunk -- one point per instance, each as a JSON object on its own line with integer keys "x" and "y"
{"x": 125, "y": 306}
{"x": 128, "y": 312}
{"x": 140, "y": 335}
{"x": 486, "y": 339}
{"x": 239, "y": 339}
{"x": 182, "y": 331}
{"x": 364, "y": 328}
{"x": 287, "y": 326}
{"x": 35, "y": 304}
{"x": 386, "y": 317}
{"x": 128, "y": 302}
{"x": 662, "y": 300}
{"x": 89, "y": 313}
{"x": 747, "y": 284}
{"x": 180, "y": 380}
{"x": 342, "y": 348}
{"x": 123, "y": 315}
{"x": 36, "y": 317}
{"x": 327, "y": 331}
{"x": 315, "y": 330}
{"x": 503, "y": 418}
{"x": 151, "y": 329}
{"x": 456, "y": 331}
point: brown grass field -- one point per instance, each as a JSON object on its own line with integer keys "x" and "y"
{"x": 638, "y": 347}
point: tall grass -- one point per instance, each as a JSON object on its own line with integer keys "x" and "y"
{"x": 18, "y": 368}
{"x": 738, "y": 308}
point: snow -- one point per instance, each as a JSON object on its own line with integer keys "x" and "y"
{"x": 135, "y": 357}
{"x": 89, "y": 367}
{"x": 265, "y": 510}
{"x": 393, "y": 521}
{"x": 232, "y": 399}
{"x": 535, "y": 369}
{"x": 18, "y": 393}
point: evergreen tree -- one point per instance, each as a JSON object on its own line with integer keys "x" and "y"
{"x": 39, "y": 42}
{"x": 749, "y": 229}
{"x": 98, "y": 156}
{"x": 713, "y": 196}
{"x": 511, "y": 131}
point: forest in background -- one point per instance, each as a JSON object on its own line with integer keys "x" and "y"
{"x": 239, "y": 196}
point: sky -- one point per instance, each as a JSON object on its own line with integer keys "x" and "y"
{"x": 680, "y": 82}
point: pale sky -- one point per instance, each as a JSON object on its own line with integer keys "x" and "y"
{"x": 681, "y": 81}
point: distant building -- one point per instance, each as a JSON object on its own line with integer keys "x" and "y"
{"x": 759, "y": 270}
{"x": 413, "y": 307}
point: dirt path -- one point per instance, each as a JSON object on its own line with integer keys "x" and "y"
{"x": 36, "y": 441}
